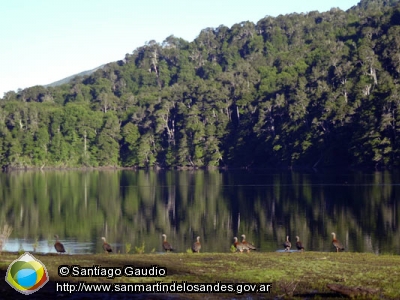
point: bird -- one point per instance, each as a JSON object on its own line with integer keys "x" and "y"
{"x": 287, "y": 244}
{"x": 337, "y": 244}
{"x": 59, "y": 247}
{"x": 299, "y": 244}
{"x": 235, "y": 241}
{"x": 239, "y": 246}
{"x": 196, "y": 245}
{"x": 249, "y": 246}
{"x": 167, "y": 246}
{"x": 106, "y": 246}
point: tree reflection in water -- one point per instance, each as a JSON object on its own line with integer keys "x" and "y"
{"x": 135, "y": 207}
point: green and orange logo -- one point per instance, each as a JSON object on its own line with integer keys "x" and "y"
{"x": 27, "y": 274}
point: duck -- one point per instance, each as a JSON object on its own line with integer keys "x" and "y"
{"x": 249, "y": 246}
{"x": 58, "y": 246}
{"x": 287, "y": 244}
{"x": 299, "y": 244}
{"x": 336, "y": 243}
{"x": 167, "y": 246}
{"x": 235, "y": 241}
{"x": 106, "y": 246}
{"x": 239, "y": 246}
{"x": 196, "y": 245}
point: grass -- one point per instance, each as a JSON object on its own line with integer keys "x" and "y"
{"x": 293, "y": 275}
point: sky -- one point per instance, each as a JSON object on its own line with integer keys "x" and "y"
{"x": 43, "y": 41}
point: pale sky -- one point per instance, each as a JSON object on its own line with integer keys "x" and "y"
{"x": 43, "y": 41}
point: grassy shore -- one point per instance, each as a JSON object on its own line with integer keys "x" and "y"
{"x": 294, "y": 275}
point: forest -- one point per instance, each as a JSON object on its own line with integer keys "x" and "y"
{"x": 303, "y": 90}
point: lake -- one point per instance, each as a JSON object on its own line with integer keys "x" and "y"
{"x": 133, "y": 208}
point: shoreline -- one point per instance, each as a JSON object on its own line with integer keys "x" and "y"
{"x": 6, "y": 169}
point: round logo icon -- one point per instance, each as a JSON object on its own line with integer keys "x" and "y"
{"x": 27, "y": 274}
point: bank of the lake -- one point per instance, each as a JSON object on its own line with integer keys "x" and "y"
{"x": 291, "y": 275}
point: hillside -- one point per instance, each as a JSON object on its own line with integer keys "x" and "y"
{"x": 299, "y": 90}
{"x": 72, "y": 77}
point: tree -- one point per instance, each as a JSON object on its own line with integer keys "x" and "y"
{"x": 129, "y": 149}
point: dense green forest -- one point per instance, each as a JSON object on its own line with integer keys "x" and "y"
{"x": 299, "y": 90}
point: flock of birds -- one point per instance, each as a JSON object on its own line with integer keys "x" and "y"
{"x": 61, "y": 249}
{"x": 246, "y": 246}
{"x": 167, "y": 246}
{"x": 299, "y": 245}
{"x": 240, "y": 246}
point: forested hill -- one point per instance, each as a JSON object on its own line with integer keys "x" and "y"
{"x": 310, "y": 90}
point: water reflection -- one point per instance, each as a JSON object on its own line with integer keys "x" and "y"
{"x": 72, "y": 246}
{"x": 133, "y": 208}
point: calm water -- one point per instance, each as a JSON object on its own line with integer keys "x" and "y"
{"x": 134, "y": 208}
